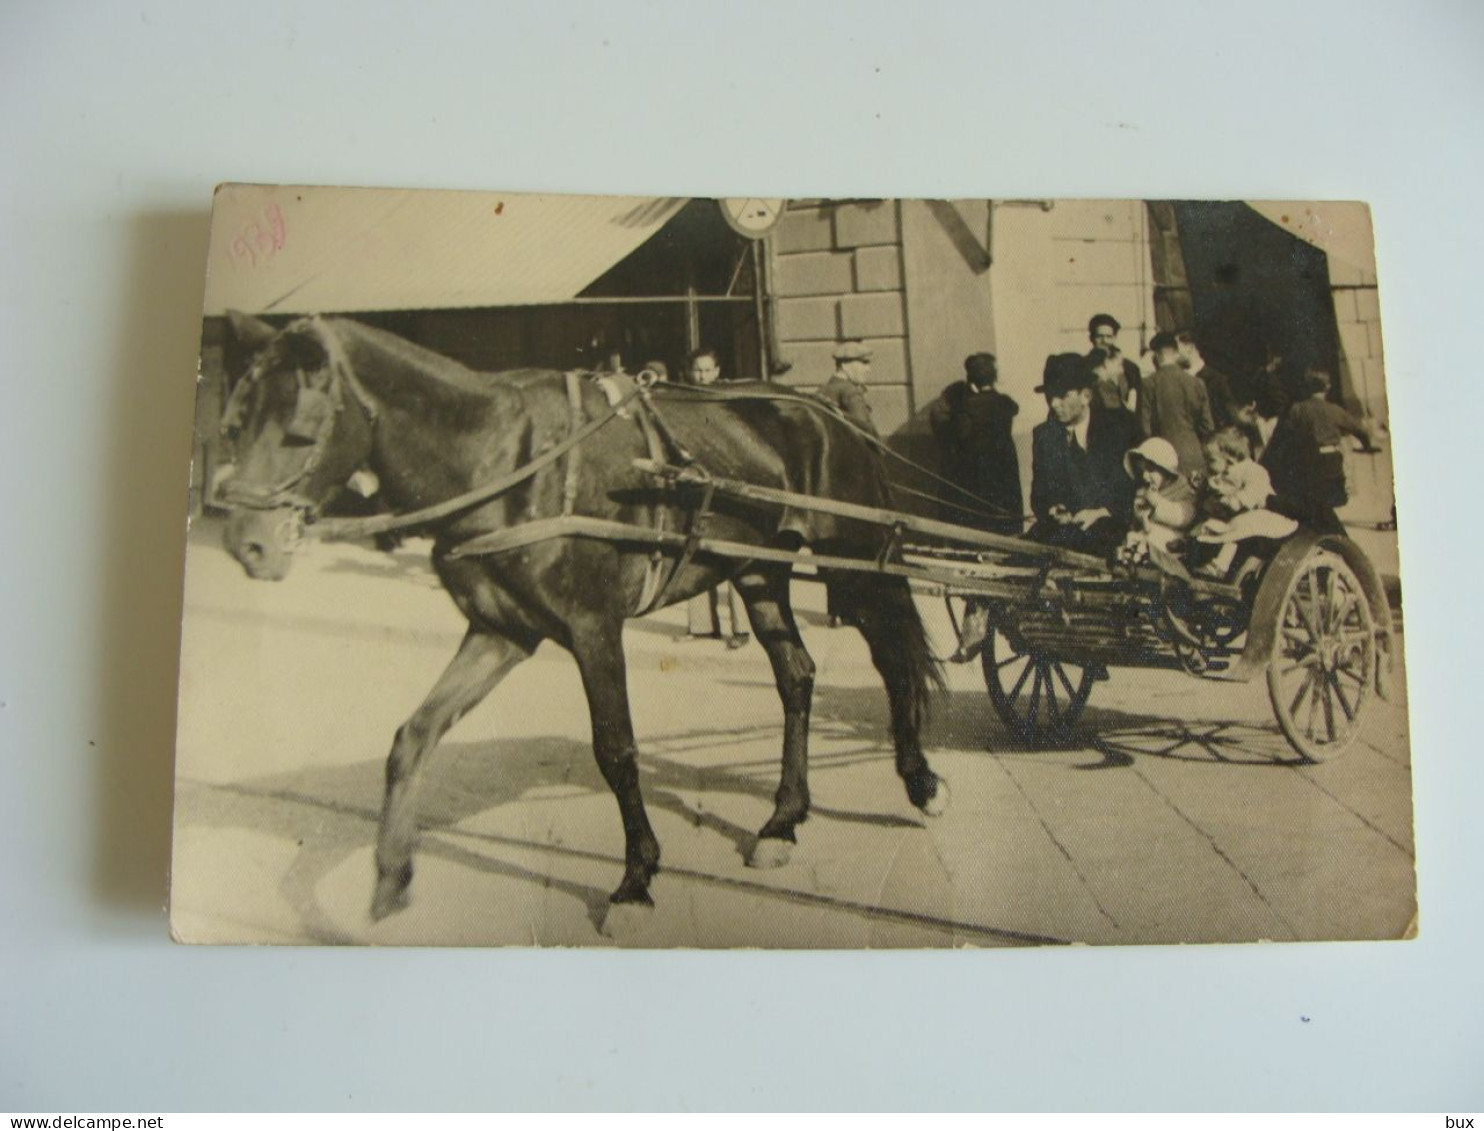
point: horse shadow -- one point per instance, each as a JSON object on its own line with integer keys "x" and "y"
{"x": 331, "y": 813}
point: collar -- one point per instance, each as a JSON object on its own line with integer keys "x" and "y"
{"x": 1080, "y": 430}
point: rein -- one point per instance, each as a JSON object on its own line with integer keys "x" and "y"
{"x": 992, "y": 511}
{"x": 349, "y": 528}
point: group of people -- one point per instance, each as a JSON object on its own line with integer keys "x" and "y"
{"x": 1178, "y": 466}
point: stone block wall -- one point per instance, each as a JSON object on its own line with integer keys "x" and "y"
{"x": 838, "y": 274}
{"x": 1363, "y": 378}
{"x": 1358, "y": 316}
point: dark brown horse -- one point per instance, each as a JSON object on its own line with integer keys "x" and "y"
{"x": 325, "y": 397}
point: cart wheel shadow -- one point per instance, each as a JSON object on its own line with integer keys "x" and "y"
{"x": 965, "y": 720}
{"x": 1121, "y": 739}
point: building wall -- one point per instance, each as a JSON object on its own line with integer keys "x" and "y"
{"x": 929, "y": 282}
{"x": 1363, "y": 377}
{"x": 1358, "y": 316}
{"x": 1056, "y": 269}
{"x": 837, "y": 273}
{"x": 950, "y": 297}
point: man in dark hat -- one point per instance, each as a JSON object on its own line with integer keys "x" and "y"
{"x": 846, "y": 390}
{"x": 1119, "y": 378}
{"x": 971, "y": 423}
{"x": 1081, "y": 495}
{"x": 1175, "y": 406}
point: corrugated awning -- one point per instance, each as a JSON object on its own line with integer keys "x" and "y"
{"x": 301, "y": 250}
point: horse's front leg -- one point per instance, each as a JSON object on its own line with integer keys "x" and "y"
{"x": 766, "y": 593}
{"x": 598, "y": 649}
{"x": 483, "y": 659}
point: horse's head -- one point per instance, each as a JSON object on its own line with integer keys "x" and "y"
{"x": 301, "y": 426}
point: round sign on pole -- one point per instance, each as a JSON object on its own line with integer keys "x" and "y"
{"x": 751, "y": 216}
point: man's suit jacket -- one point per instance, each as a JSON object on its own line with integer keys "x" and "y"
{"x": 1079, "y": 483}
{"x": 1176, "y": 406}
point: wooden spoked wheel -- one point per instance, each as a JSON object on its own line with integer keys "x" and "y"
{"x": 1324, "y": 657}
{"x": 1039, "y": 698}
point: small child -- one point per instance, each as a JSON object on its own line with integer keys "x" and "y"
{"x": 1164, "y": 505}
{"x": 1237, "y": 493}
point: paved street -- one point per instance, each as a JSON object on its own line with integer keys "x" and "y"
{"x": 1179, "y": 816}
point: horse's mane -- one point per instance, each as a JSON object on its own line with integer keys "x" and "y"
{"x": 441, "y": 382}
{"x": 445, "y": 370}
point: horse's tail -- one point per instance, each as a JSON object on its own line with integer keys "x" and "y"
{"x": 882, "y": 608}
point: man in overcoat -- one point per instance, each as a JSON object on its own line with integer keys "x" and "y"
{"x": 1081, "y": 495}
{"x": 971, "y": 423}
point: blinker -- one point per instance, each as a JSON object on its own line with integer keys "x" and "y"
{"x": 313, "y": 413}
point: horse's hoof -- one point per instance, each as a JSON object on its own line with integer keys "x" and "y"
{"x": 625, "y": 920}
{"x": 937, "y": 804}
{"x": 769, "y": 852}
{"x": 391, "y": 897}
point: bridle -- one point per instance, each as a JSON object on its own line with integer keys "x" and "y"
{"x": 317, "y": 411}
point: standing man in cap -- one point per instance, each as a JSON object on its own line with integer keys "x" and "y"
{"x": 971, "y": 423}
{"x": 1175, "y": 405}
{"x": 1081, "y": 495}
{"x": 1120, "y": 377}
{"x": 846, "y": 390}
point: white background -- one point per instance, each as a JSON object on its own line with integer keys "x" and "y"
{"x": 118, "y": 120}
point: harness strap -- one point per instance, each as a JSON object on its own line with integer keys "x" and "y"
{"x": 656, "y": 583}
{"x": 574, "y": 457}
{"x": 380, "y": 524}
{"x": 693, "y": 538}
{"x": 992, "y": 510}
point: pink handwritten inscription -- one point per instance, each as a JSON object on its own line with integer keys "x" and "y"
{"x": 261, "y": 238}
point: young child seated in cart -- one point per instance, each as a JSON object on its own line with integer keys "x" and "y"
{"x": 1164, "y": 506}
{"x": 1235, "y": 503}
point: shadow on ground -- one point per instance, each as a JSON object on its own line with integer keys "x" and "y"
{"x": 330, "y": 814}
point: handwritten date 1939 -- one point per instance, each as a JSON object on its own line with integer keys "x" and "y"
{"x": 260, "y": 239}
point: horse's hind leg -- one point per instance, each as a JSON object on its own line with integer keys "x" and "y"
{"x": 765, "y": 592}
{"x": 883, "y": 610}
{"x": 598, "y": 649}
{"x": 483, "y": 659}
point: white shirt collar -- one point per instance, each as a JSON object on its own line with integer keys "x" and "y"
{"x": 1080, "y": 430}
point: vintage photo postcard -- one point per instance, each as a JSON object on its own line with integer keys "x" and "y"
{"x": 674, "y": 572}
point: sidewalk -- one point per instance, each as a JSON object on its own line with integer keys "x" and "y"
{"x": 1179, "y": 817}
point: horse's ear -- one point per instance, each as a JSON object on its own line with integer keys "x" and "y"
{"x": 251, "y": 332}
{"x": 244, "y": 337}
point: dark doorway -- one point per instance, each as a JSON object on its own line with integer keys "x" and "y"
{"x": 1255, "y": 291}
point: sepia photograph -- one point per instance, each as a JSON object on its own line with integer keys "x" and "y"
{"x": 793, "y": 557}
{"x": 790, "y": 573}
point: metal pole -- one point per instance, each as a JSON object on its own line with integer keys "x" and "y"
{"x": 759, "y": 309}
{"x": 692, "y": 309}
